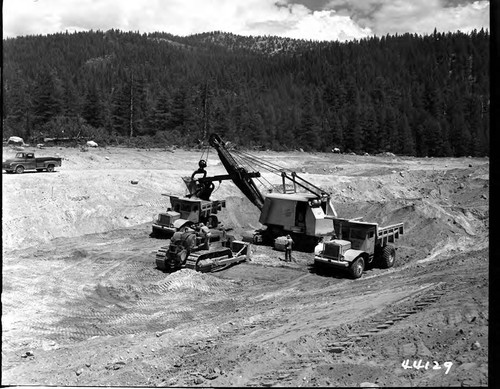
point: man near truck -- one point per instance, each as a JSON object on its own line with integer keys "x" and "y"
{"x": 288, "y": 248}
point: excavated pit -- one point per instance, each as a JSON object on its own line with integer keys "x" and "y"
{"x": 78, "y": 239}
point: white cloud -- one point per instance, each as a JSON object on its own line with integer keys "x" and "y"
{"x": 423, "y": 16}
{"x": 250, "y": 17}
{"x": 179, "y": 17}
{"x": 326, "y": 25}
{"x": 416, "y": 16}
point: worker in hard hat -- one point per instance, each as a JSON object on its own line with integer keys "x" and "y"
{"x": 205, "y": 234}
{"x": 288, "y": 248}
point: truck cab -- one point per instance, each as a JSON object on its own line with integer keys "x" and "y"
{"x": 28, "y": 159}
{"x": 361, "y": 236}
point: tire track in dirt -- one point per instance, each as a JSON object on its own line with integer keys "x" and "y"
{"x": 101, "y": 304}
{"x": 298, "y": 365}
{"x": 104, "y": 305}
{"x": 249, "y": 330}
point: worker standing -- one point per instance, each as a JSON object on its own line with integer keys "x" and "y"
{"x": 288, "y": 249}
{"x": 205, "y": 233}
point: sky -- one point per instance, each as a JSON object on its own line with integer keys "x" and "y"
{"x": 340, "y": 20}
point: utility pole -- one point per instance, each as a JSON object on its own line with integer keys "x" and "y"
{"x": 131, "y": 106}
{"x": 205, "y": 111}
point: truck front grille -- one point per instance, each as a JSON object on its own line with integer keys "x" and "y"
{"x": 331, "y": 250}
{"x": 164, "y": 220}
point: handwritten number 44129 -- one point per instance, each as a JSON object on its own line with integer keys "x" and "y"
{"x": 427, "y": 365}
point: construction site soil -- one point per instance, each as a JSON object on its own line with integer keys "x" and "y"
{"x": 84, "y": 305}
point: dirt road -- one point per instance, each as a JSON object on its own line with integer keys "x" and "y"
{"x": 83, "y": 303}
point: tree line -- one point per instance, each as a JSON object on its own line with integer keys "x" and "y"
{"x": 407, "y": 94}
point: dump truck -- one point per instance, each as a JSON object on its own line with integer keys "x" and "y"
{"x": 356, "y": 245}
{"x": 189, "y": 249}
{"x": 186, "y": 212}
{"x": 28, "y": 161}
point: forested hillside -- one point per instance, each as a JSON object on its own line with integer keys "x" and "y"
{"x": 407, "y": 94}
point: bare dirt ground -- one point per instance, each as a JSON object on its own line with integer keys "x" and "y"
{"x": 83, "y": 304}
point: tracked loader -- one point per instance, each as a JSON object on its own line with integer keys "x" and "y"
{"x": 190, "y": 249}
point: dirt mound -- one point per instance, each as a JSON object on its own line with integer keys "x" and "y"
{"x": 187, "y": 280}
{"x": 428, "y": 226}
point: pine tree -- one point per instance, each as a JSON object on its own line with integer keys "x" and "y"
{"x": 46, "y": 99}
{"x": 406, "y": 144}
{"x": 93, "y": 110}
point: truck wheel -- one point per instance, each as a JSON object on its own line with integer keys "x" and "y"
{"x": 357, "y": 268}
{"x": 50, "y": 168}
{"x": 388, "y": 257}
{"x": 20, "y": 169}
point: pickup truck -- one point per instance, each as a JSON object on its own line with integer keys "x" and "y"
{"x": 357, "y": 244}
{"x": 27, "y": 161}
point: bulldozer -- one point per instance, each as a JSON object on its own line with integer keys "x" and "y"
{"x": 197, "y": 239}
{"x": 190, "y": 249}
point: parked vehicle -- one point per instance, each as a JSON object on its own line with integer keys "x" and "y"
{"x": 28, "y": 161}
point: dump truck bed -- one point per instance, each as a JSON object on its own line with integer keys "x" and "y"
{"x": 383, "y": 235}
{"x": 390, "y": 233}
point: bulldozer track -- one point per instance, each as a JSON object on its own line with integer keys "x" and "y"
{"x": 192, "y": 260}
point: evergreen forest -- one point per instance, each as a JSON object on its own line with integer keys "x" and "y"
{"x": 406, "y": 94}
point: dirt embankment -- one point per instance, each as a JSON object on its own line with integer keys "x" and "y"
{"x": 78, "y": 240}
